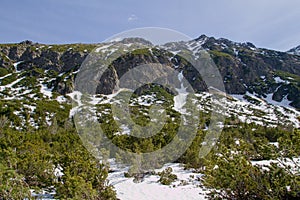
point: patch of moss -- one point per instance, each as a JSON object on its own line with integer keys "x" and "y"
{"x": 74, "y": 47}
{"x": 141, "y": 52}
{"x": 8, "y": 45}
{"x": 9, "y": 79}
{"x": 252, "y": 100}
{"x": 3, "y": 71}
{"x": 288, "y": 76}
{"x": 219, "y": 54}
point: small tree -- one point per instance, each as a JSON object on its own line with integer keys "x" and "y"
{"x": 12, "y": 185}
{"x": 166, "y": 176}
{"x": 3, "y": 122}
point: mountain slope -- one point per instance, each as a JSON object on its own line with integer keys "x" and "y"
{"x": 265, "y": 73}
{"x": 267, "y": 81}
{"x": 37, "y": 95}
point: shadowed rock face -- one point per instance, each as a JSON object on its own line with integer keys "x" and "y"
{"x": 242, "y": 66}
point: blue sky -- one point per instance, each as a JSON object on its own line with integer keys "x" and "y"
{"x": 266, "y": 23}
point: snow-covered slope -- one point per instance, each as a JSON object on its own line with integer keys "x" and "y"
{"x": 187, "y": 185}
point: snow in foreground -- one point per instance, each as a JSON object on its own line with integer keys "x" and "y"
{"x": 151, "y": 189}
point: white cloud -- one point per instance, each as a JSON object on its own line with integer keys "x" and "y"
{"x": 132, "y": 18}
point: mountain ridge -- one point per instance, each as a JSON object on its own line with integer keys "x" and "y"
{"x": 294, "y": 51}
{"x": 244, "y": 67}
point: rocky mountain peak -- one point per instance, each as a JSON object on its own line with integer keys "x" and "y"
{"x": 27, "y": 42}
{"x": 136, "y": 40}
{"x": 294, "y": 51}
{"x": 202, "y": 37}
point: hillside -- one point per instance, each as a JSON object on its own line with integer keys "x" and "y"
{"x": 45, "y": 93}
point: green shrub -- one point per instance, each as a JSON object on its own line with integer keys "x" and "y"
{"x": 3, "y": 71}
{"x": 12, "y": 185}
{"x": 231, "y": 175}
{"x": 166, "y": 176}
{"x": 9, "y": 79}
{"x": 28, "y": 159}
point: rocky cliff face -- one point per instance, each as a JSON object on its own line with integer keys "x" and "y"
{"x": 60, "y": 58}
{"x": 244, "y": 68}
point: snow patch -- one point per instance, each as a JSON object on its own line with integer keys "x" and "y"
{"x": 180, "y": 98}
{"x": 186, "y": 187}
{"x": 16, "y": 65}
{"x": 279, "y": 80}
{"x": 5, "y": 76}
{"x": 61, "y": 99}
{"x": 104, "y": 47}
{"x": 46, "y": 91}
